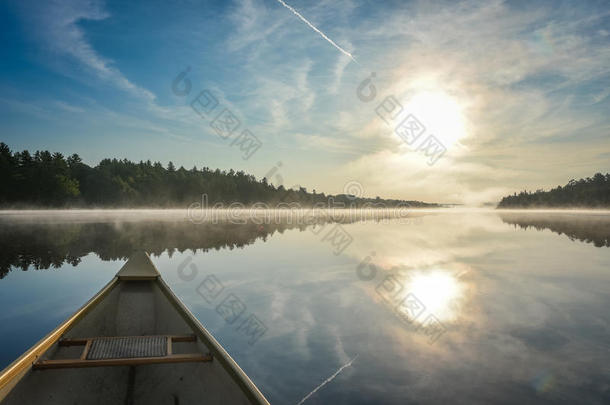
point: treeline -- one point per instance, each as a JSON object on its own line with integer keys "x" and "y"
{"x": 48, "y": 179}
{"x": 592, "y": 192}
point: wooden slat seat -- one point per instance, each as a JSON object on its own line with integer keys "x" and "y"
{"x": 124, "y": 351}
{"x": 127, "y": 347}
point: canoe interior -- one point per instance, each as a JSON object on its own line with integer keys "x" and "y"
{"x": 131, "y": 308}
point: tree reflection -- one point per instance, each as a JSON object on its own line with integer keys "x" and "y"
{"x": 28, "y": 245}
{"x": 583, "y": 227}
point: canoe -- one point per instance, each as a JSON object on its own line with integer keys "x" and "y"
{"x": 133, "y": 343}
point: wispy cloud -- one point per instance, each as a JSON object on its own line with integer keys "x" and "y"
{"x": 56, "y": 25}
{"x": 69, "y": 107}
{"x": 531, "y": 80}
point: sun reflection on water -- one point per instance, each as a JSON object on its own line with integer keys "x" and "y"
{"x": 440, "y": 291}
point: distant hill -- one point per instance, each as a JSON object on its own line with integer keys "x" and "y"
{"x": 592, "y": 192}
{"x": 46, "y": 179}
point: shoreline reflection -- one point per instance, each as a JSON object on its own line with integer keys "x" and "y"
{"x": 589, "y": 228}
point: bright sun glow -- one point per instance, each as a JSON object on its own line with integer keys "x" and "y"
{"x": 440, "y": 113}
{"x": 438, "y": 290}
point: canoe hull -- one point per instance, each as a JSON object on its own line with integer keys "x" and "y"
{"x": 130, "y": 308}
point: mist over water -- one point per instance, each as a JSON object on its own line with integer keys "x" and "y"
{"x": 521, "y": 297}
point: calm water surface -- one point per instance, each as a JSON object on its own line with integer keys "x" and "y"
{"x": 445, "y": 307}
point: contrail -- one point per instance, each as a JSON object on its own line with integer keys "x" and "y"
{"x": 323, "y": 35}
{"x": 329, "y": 379}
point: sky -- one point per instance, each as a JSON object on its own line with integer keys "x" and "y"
{"x": 515, "y": 93}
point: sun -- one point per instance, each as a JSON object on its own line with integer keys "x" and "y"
{"x": 441, "y": 114}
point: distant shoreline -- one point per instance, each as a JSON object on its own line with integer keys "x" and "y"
{"x": 134, "y": 210}
{"x": 592, "y": 192}
{"x": 50, "y": 180}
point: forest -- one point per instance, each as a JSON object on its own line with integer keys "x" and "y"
{"x": 45, "y": 179}
{"x": 592, "y": 192}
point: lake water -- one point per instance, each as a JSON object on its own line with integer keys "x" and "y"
{"x": 440, "y": 307}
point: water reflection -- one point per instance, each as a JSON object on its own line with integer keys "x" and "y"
{"x": 46, "y": 241}
{"x": 524, "y": 312}
{"x": 590, "y": 228}
{"x": 439, "y": 290}
{"x": 44, "y": 245}
{"x": 42, "y": 240}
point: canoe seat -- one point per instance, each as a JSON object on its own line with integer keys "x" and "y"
{"x": 124, "y": 351}
{"x": 127, "y": 347}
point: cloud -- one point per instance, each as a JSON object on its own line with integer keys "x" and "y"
{"x": 56, "y": 24}
{"x": 340, "y": 66}
{"x": 524, "y": 75}
{"x": 519, "y": 73}
{"x": 253, "y": 22}
{"x": 69, "y": 107}
{"x": 532, "y": 81}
